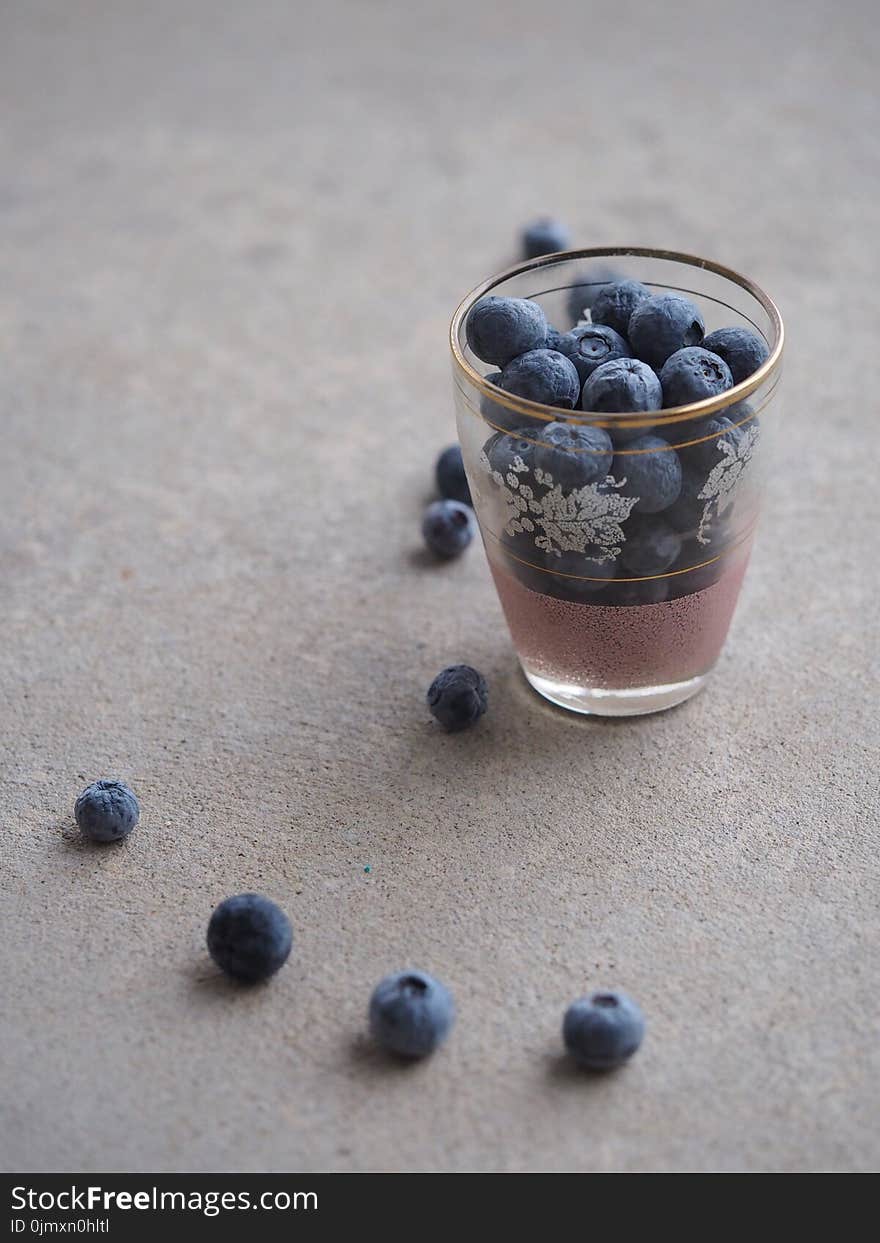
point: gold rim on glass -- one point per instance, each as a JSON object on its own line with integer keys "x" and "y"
{"x": 674, "y": 414}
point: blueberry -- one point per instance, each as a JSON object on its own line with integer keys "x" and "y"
{"x": 652, "y": 472}
{"x": 715, "y": 538}
{"x": 545, "y": 376}
{"x": 544, "y": 237}
{"x": 499, "y": 415}
{"x": 505, "y": 451}
{"x": 500, "y": 329}
{"x": 106, "y": 811}
{"x": 742, "y": 349}
{"x": 629, "y": 593}
{"x": 696, "y": 518}
{"x": 615, "y": 303}
{"x": 492, "y": 411}
{"x": 448, "y": 527}
{"x": 623, "y": 386}
{"x": 693, "y": 374}
{"x": 651, "y": 546}
{"x": 686, "y": 513}
{"x": 554, "y": 337}
{"x": 451, "y": 480}
{"x": 662, "y": 324}
{"x": 458, "y": 697}
{"x": 709, "y": 435}
{"x": 573, "y": 454}
{"x": 622, "y": 434}
{"x": 695, "y": 577}
{"x": 523, "y": 560}
{"x": 603, "y": 1030}
{"x": 574, "y": 576}
{"x": 582, "y": 297}
{"x": 411, "y": 1013}
{"x": 591, "y": 345}
{"x": 249, "y": 937}
{"x": 743, "y": 419}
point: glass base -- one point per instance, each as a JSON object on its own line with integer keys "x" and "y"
{"x": 634, "y": 701}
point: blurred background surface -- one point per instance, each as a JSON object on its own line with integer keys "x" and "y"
{"x": 231, "y": 240}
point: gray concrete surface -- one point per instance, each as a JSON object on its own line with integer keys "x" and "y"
{"x": 231, "y": 238}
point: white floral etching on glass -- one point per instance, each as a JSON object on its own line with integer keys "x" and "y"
{"x": 718, "y": 490}
{"x": 587, "y": 518}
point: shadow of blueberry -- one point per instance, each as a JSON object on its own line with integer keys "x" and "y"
{"x": 73, "y": 839}
{"x": 560, "y": 1069}
{"x": 209, "y": 983}
{"x": 423, "y": 559}
{"x": 368, "y": 1058}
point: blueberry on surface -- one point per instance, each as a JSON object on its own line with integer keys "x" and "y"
{"x": 573, "y": 454}
{"x": 582, "y": 297}
{"x": 451, "y": 480}
{"x": 622, "y": 386}
{"x": 603, "y": 1030}
{"x": 448, "y": 527}
{"x": 708, "y": 436}
{"x": 662, "y": 324}
{"x": 544, "y": 237}
{"x": 651, "y": 546}
{"x": 411, "y": 1013}
{"x": 591, "y": 345}
{"x": 500, "y": 329}
{"x": 615, "y": 303}
{"x": 741, "y": 348}
{"x": 106, "y": 811}
{"x": 652, "y": 473}
{"x": 458, "y": 697}
{"x": 693, "y": 374}
{"x": 545, "y": 376}
{"x": 249, "y": 937}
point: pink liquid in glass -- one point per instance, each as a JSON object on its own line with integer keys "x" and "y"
{"x": 616, "y": 648}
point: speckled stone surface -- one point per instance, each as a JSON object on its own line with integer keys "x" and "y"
{"x": 231, "y": 239}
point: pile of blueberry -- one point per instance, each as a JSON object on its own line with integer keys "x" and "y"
{"x": 657, "y": 341}
{"x": 410, "y": 1013}
{"x": 635, "y": 352}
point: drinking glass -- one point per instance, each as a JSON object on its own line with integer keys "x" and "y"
{"x": 591, "y": 632}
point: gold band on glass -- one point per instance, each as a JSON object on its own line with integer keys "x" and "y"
{"x": 621, "y": 451}
{"x": 647, "y": 578}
